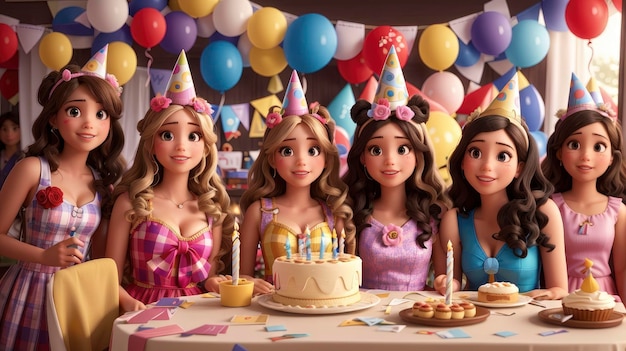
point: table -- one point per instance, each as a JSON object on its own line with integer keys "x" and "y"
{"x": 325, "y": 335}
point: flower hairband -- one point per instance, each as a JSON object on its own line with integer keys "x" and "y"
{"x": 380, "y": 111}
{"x": 160, "y": 102}
{"x": 274, "y": 118}
{"x": 67, "y": 75}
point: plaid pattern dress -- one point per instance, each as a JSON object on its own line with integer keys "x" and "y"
{"x": 166, "y": 264}
{"x": 23, "y": 287}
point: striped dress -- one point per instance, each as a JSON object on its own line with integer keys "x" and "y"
{"x": 23, "y": 287}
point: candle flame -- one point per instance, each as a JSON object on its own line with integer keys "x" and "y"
{"x": 449, "y": 245}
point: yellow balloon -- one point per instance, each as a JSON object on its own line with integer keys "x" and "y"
{"x": 197, "y": 8}
{"x": 445, "y": 133}
{"x": 267, "y": 27}
{"x": 55, "y": 50}
{"x": 438, "y": 47}
{"x": 267, "y": 62}
{"x": 121, "y": 61}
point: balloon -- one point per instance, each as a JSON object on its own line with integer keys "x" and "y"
{"x": 8, "y": 38}
{"x": 541, "y": 139}
{"x": 9, "y": 85}
{"x": 618, "y": 5}
{"x": 55, "y": 50}
{"x": 267, "y": 62}
{"x": 221, "y": 65}
{"x": 554, "y": 14}
{"x": 197, "y": 9}
{"x": 530, "y": 43}
{"x": 148, "y": 27}
{"x": 377, "y": 44}
{"x": 181, "y": 32}
{"x": 14, "y": 62}
{"x": 445, "y": 133}
{"x": 354, "y": 70}
{"x": 65, "y": 22}
{"x": 121, "y": 61}
{"x": 491, "y": 33}
{"x": 205, "y": 25}
{"x": 231, "y": 17}
{"x": 532, "y": 107}
{"x": 122, "y": 34}
{"x": 586, "y": 19}
{"x": 267, "y": 28}
{"x": 244, "y": 46}
{"x": 135, "y": 5}
{"x": 438, "y": 47}
{"x": 310, "y": 43}
{"x": 434, "y": 105}
{"x": 445, "y": 88}
{"x": 173, "y": 5}
{"x": 468, "y": 55}
{"x": 107, "y": 15}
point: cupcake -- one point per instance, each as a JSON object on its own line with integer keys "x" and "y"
{"x": 416, "y": 307}
{"x": 589, "y": 303}
{"x": 442, "y": 311}
{"x": 469, "y": 308}
{"x": 458, "y": 312}
{"x": 425, "y": 311}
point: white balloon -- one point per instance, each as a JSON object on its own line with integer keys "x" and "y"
{"x": 206, "y": 28}
{"x": 445, "y": 88}
{"x": 231, "y": 17}
{"x": 244, "y": 45}
{"x": 107, "y": 15}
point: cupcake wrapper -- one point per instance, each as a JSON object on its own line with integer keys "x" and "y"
{"x": 588, "y": 315}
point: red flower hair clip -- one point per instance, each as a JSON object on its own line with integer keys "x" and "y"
{"x": 159, "y": 103}
{"x": 50, "y": 197}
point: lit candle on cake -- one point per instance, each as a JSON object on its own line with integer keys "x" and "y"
{"x": 288, "y": 248}
{"x": 301, "y": 243}
{"x": 449, "y": 273}
{"x": 335, "y": 245}
{"x": 342, "y": 242}
{"x": 322, "y": 246}
{"x": 308, "y": 243}
{"x": 235, "y": 254}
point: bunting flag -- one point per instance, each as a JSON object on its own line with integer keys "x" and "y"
{"x": 263, "y": 104}
{"x": 230, "y": 123}
{"x": 257, "y": 126}
{"x": 340, "y": 107}
{"x": 29, "y": 35}
{"x": 159, "y": 79}
{"x": 242, "y": 111}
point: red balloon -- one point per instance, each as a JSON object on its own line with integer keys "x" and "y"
{"x": 12, "y": 63}
{"x": 377, "y": 44}
{"x": 354, "y": 70}
{"x": 8, "y": 38}
{"x": 586, "y": 19}
{"x": 9, "y": 86}
{"x": 148, "y": 27}
{"x": 618, "y": 5}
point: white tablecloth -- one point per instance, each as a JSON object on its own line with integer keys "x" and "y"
{"x": 326, "y": 335}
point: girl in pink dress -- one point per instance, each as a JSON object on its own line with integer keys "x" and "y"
{"x": 60, "y": 186}
{"x": 170, "y": 226}
{"x": 396, "y": 191}
{"x": 584, "y": 161}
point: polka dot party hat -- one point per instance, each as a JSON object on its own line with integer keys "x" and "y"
{"x": 294, "y": 102}
{"x": 391, "y": 85}
{"x": 180, "y": 87}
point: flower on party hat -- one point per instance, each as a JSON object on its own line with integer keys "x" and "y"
{"x": 180, "y": 90}
{"x": 96, "y": 66}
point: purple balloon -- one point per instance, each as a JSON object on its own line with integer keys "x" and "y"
{"x": 554, "y": 14}
{"x": 533, "y": 108}
{"x": 181, "y": 32}
{"x": 491, "y": 33}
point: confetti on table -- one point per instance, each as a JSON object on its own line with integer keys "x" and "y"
{"x": 552, "y": 332}
{"x": 425, "y": 332}
{"x": 505, "y": 334}
{"x": 391, "y": 328}
{"x": 288, "y": 336}
{"x": 241, "y": 319}
{"x": 453, "y": 334}
{"x": 207, "y": 329}
{"x": 273, "y": 328}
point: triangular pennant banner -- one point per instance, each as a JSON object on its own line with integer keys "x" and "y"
{"x": 263, "y": 104}
{"x": 410, "y": 33}
{"x": 501, "y": 66}
{"x": 462, "y": 27}
{"x": 230, "y": 123}
{"x": 475, "y": 72}
{"x": 340, "y": 107}
{"x": 257, "y": 126}
{"x": 531, "y": 13}
{"x": 29, "y": 35}
{"x": 242, "y": 111}
{"x": 350, "y": 37}
{"x": 159, "y": 79}
{"x": 82, "y": 19}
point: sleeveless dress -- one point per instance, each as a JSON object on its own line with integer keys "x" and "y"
{"x": 166, "y": 264}
{"x": 524, "y": 272}
{"x": 23, "y": 287}
{"x": 593, "y": 240}
{"x": 403, "y": 267}
{"x": 275, "y": 234}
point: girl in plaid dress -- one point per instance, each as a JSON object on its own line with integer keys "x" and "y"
{"x": 169, "y": 226}
{"x": 60, "y": 185}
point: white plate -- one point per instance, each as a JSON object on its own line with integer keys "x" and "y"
{"x": 367, "y": 300}
{"x": 472, "y": 296}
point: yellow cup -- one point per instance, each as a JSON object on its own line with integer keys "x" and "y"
{"x": 236, "y": 295}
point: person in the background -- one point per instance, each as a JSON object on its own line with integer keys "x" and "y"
{"x": 504, "y": 226}
{"x": 294, "y": 184}
{"x": 396, "y": 192}
{"x": 64, "y": 179}
{"x": 584, "y": 161}
{"x": 170, "y": 224}
{"x": 10, "y": 150}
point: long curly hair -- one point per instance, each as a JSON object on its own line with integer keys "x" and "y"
{"x": 204, "y": 181}
{"x": 426, "y": 198}
{"x": 612, "y": 182}
{"x": 328, "y": 187}
{"x": 107, "y": 158}
{"x": 519, "y": 220}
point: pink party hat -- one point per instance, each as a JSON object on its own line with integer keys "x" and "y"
{"x": 579, "y": 98}
{"x": 97, "y": 65}
{"x": 391, "y": 85}
{"x": 180, "y": 87}
{"x": 294, "y": 102}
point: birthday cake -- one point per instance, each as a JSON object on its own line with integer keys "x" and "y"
{"x": 317, "y": 282}
{"x": 498, "y": 292}
{"x": 589, "y": 303}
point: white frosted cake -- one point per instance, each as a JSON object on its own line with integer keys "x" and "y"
{"x": 320, "y": 282}
{"x": 498, "y": 292}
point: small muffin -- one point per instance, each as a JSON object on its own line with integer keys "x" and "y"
{"x": 458, "y": 312}
{"x": 443, "y": 311}
{"x": 425, "y": 311}
{"x": 470, "y": 309}
{"x": 416, "y": 307}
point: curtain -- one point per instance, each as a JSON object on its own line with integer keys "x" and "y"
{"x": 136, "y": 98}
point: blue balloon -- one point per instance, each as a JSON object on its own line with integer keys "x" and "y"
{"x": 554, "y": 14}
{"x": 532, "y": 106}
{"x": 136, "y": 5}
{"x": 468, "y": 55}
{"x": 65, "y": 22}
{"x": 221, "y": 65}
{"x": 181, "y": 32}
{"x": 529, "y": 44}
{"x": 310, "y": 43}
{"x": 541, "y": 139}
{"x": 122, "y": 34}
